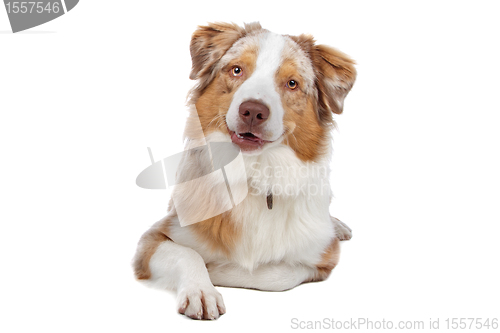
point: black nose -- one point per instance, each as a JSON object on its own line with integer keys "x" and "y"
{"x": 253, "y": 113}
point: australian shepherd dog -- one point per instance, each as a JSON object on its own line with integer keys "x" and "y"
{"x": 272, "y": 97}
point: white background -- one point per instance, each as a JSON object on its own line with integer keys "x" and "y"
{"x": 415, "y": 170}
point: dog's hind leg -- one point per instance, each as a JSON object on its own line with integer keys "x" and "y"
{"x": 276, "y": 276}
{"x": 342, "y": 231}
{"x": 270, "y": 277}
{"x": 161, "y": 263}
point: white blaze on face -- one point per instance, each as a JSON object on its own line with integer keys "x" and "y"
{"x": 261, "y": 86}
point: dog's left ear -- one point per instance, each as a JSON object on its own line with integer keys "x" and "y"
{"x": 335, "y": 75}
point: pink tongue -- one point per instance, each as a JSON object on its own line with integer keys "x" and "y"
{"x": 247, "y": 143}
{"x": 250, "y": 137}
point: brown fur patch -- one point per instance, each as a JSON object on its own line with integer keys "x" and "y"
{"x": 304, "y": 133}
{"x": 219, "y": 232}
{"x": 148, "y": 244}
{"x": 213, "y": 105}
{"x": 328, "y": 261}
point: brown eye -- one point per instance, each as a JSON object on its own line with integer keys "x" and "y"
{"x": 292, "y": 84}
{"x": 236, "y": 71}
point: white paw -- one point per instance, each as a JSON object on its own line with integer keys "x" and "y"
{"x": 342, "y": 230}
{"x": 200, "y": 302}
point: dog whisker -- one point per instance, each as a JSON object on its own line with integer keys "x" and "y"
{"x": 215, "y": 118}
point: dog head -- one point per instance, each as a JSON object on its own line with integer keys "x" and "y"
{"x": 264, "y": 89}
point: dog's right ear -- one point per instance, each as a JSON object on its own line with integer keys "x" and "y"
{"x": 209, "y": 43}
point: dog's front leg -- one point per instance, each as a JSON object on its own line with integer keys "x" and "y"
{"x": 181, "y": 269}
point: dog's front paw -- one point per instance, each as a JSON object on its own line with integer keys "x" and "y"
{"x": 200, "y": 302}
{"x": 342, "y": 230}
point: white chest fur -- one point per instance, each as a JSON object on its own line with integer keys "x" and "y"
{"x": 298, "y": 227}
